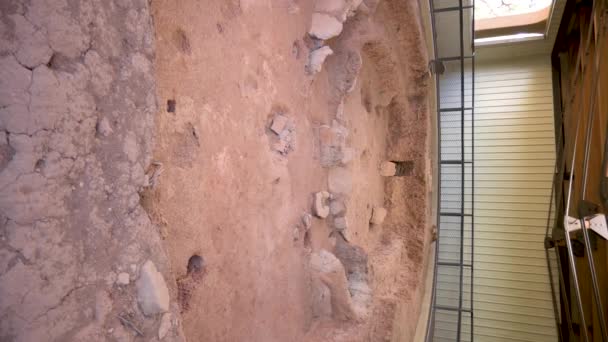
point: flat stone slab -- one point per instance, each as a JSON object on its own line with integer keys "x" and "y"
{"x": 152, "y": 291}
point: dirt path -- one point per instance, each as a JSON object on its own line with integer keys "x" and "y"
{"x": 227, "y": 195}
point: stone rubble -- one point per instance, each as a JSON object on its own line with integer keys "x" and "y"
{"x": 330, "y": 271}
{"x": 340, "y": 223}
{"x": 324, "y": 26}
{"x": 378, "y": 215}
{"x": 152, "y": 291}
{"x": 316, "y": 58}
{"x": 320, "y": 206}
{"x": 285, "y": 137}
{"x": 337, "y": 207}
{"x": 104, "y": 128}
{"x": 327, "y": 22}
{"x": 123, "y": 278}
{"x": 307, "y": 220}
{"x": 279, "y": 124}
{"x": 340, "y": 181}
{"x": 165, "y": 325}
{"x": 332, "y": 145}
{"x": 388, "y": 169}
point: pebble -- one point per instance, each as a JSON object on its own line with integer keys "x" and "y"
{"x": 104, "y": 128}
{"x": 123, "y": 278}
{"x": 321, "y": 209}
{"x": 165, "y": 325}
{"x": 307, "y": 220}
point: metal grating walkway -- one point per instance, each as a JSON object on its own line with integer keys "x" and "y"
{"x": 452, "y": 313}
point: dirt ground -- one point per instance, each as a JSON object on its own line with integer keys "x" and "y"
{"x": 137, "y": 133}
{"x": 226, "y": 195}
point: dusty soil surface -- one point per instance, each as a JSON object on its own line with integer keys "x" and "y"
{"x": 77, "y": 106}
{"x": 159, "y": 162}
{"x": 227, "y": 195}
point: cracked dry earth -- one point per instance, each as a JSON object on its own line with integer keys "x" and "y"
{"x": 159, "y": 163}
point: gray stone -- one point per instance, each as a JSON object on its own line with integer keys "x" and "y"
{"x": 152, "y": 291}
{"x": 340, "y": 181}
{"x": 332, "y": 142}
{"x": 348, "y": 154}
{"x": 103, "y": 127}
{"x": 340, "y": 9}
{"x": 307, "y": 220}
{"x": 123, "y": 278}
{"x": 321, "y": 299}
{"x": 164, "y": 326}
{"x": 337, "y": 207}
{"x": 321, "y": 209}
{"x": 330, "y": 271}
{"x": 340, "y": 223}
{"x": 324, "y": 26}
{"x": 279, "y": 123}
{"x": 317, "y": 58}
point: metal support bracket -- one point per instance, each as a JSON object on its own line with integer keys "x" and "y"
{"x": 436, "y": 67}
{"x": 596, "y": 223}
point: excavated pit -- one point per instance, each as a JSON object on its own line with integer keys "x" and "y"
{"x": 160, "y": 163}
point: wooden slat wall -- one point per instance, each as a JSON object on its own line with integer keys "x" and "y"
{"x": 514, "y": 161}
{"x": 576, "y": 105}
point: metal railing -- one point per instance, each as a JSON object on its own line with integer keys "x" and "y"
{"x": 558, "y": 232}
{"x": 452, "y": 65}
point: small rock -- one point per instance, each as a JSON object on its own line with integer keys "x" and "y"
{"x": 388, "y": 169}
{"x": 378, "y": 215}
{"x": 164, "y": 326}
{"x": 279, "y": 122}
{"x": 340, "y": 9}
{"x": 123, "y": 278}
{"x": 340, "y": 223}
{"x": 340, "y": 111}
{"x": 348, "y": 154}
{"x": 307, "y": 220}
{"x": 334, "y": 7}
{"x": 331, "y": 272}
{"x": 324, "y": 26}
{"x": 152, "y": 291}
{"x": 337, "y": 207}
{"x": 104, "y": 128}
{"x": 321, "y": 209}
{"x": 317, "y": 58}
{"x": 340, "y": 181}
{"x": 321, "y": 303}
{"x": 296, "y": 234}
{"x": 346, "y": 234}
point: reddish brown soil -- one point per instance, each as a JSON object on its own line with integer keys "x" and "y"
{"x": 227, "y": 196}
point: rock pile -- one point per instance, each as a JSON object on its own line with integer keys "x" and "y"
{"x": 326, "y": 23}
{"x": 284, "y": 134}
{"x": 332, "y": 145}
